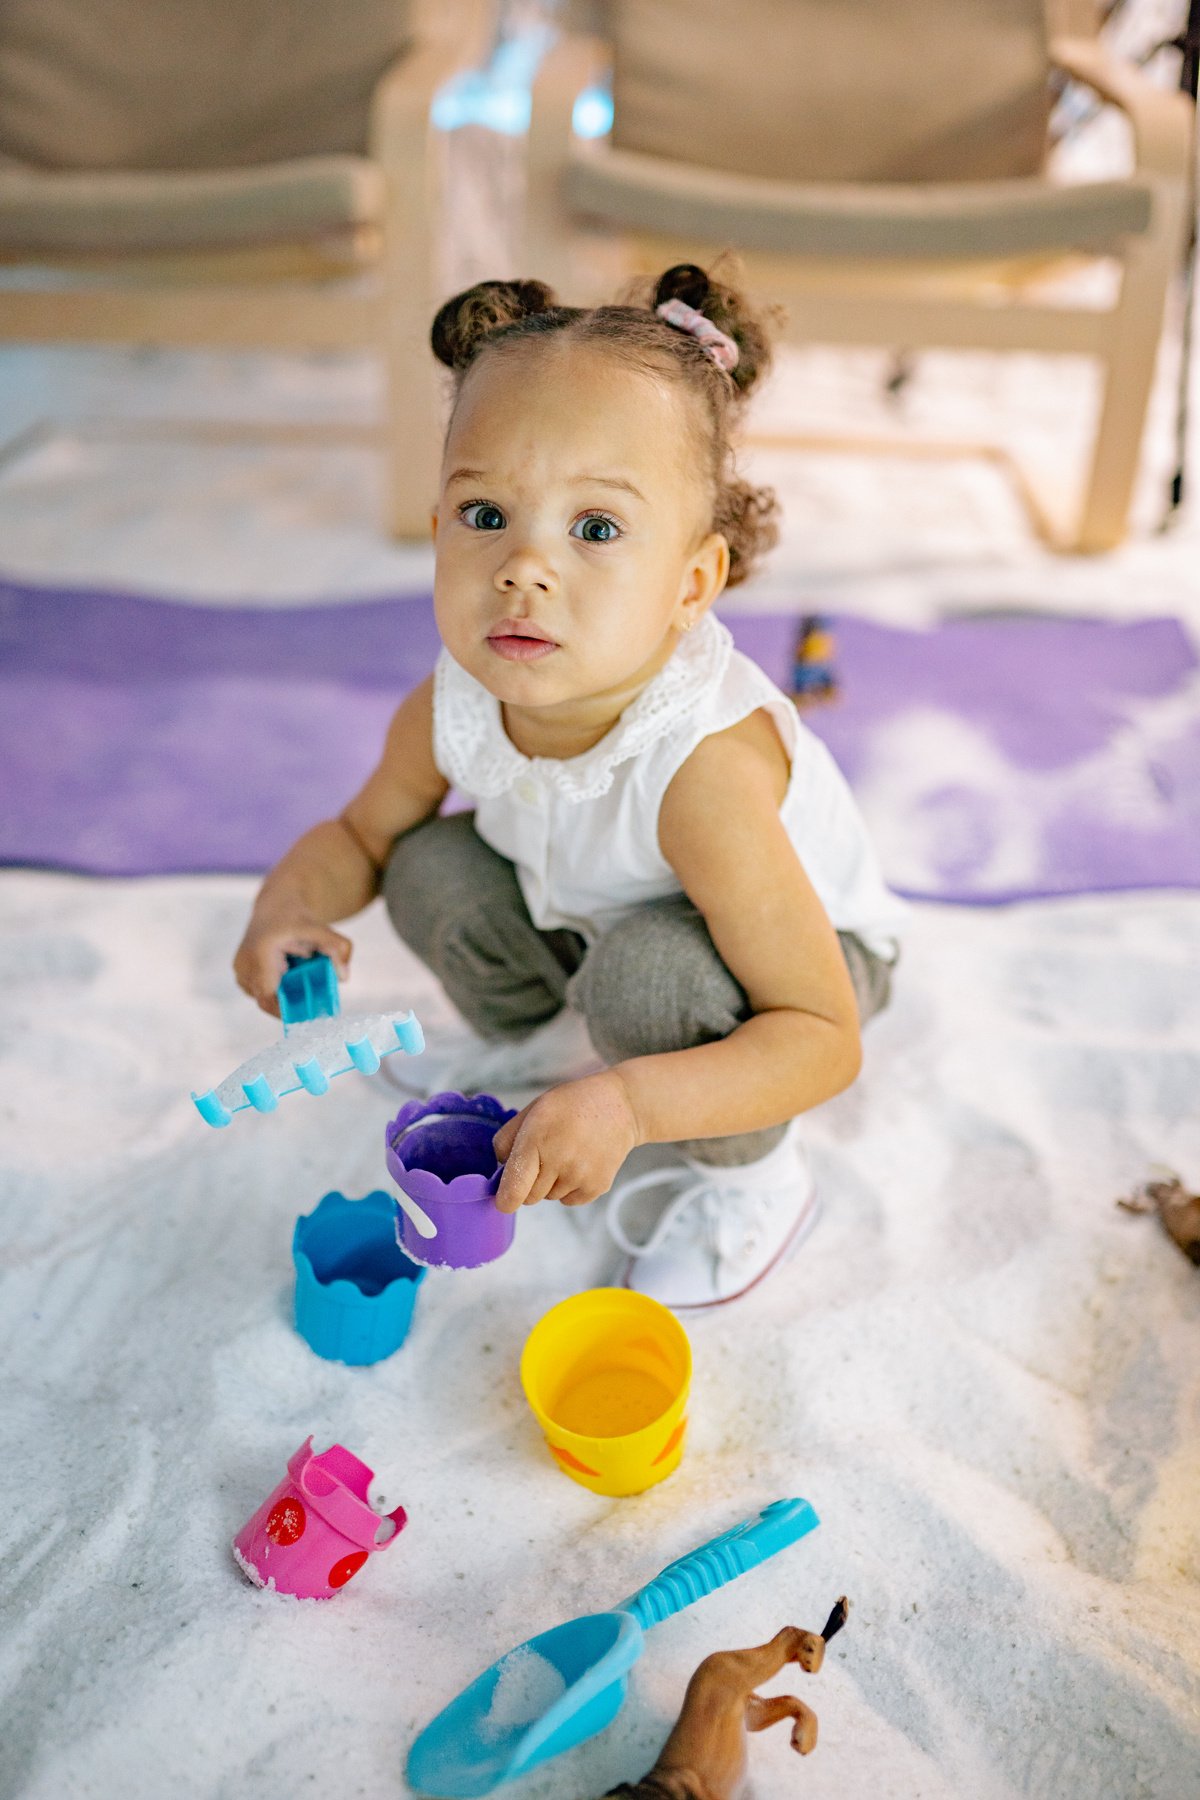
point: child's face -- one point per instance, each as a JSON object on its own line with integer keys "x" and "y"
{"x": 572, "y": 527}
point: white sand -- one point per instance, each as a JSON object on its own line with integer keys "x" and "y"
{"x": 984, "y": 1377}
{"x": 980, "y": 1372}
{"x": 527, "y": 1686}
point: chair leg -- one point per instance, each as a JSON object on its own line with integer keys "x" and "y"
{"x": 1129, "y": 367}
{"x": 412, "y": 156}
{"x": 549, "y": 248}
{"x": 413, "y": 421}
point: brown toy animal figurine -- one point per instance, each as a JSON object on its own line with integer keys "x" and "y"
{"x": 1179, "y": 1211}
{"x": 705, "y": 1756}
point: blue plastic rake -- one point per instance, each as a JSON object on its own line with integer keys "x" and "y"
{"x": 311, "y": 1053}
{"x": 469, "y": 1749}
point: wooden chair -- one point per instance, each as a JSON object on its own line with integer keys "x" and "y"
{"x": 240, "y": 173}
{"x": 881, "y": 168}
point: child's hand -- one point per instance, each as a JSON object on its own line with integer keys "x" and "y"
{"x": 568, "y": 1144}
{"x": 261, "y": 960}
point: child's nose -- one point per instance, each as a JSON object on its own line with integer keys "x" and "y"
{"x": 526, "y": 571}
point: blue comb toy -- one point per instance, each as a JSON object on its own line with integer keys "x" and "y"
{"x": 311, "y": 1051}
{"x": 564, "y": 1686}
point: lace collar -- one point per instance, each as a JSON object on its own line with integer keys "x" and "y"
{"x": 484, "y": 763}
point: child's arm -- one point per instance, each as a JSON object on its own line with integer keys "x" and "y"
{"x": 335, "y": 869}
{"x": 720, "y": 830}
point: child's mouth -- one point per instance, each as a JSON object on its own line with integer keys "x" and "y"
{"x": 515, "y": 648}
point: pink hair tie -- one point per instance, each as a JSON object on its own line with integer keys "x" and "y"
{"x": 711, "y": 338}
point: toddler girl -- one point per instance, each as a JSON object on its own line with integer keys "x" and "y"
{"x": 663, "y": 866}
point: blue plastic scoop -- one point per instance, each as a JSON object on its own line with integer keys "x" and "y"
{"x": 562, "y": 1687}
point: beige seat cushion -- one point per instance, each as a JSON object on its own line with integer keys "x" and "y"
{"x": 956, "y": 221}
{"x": 190, "y": 84}
{"x": 834, "y": 90}
{"x": 47, "y": 214}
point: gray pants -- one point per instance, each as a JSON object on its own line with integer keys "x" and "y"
{"x": 653, "y": 983}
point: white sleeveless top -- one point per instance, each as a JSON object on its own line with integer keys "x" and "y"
{"x": 582, "y": 831}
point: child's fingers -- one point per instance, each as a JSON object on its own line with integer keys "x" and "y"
{"x": 317, "y": 940}
{"x": 254, "y": 979}
{"x": 523, "y": 1173}
{"x": 544, "y": 1158}
{"x": 262, "y": 960}
{"x": 540, "y": 1189}
{"x": 514, "y": 1185}
{"x": 504, "y": 1139}
{"x": 762, "y": 1713}
{"x": 337, "y": 948}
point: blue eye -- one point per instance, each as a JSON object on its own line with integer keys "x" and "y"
{"x": 595, "y": 528}
{"x": 481, "y": 515}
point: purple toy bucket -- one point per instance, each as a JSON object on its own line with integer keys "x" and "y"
{"x": 317, "y": 1529}
{"x": 439, "y": 1153}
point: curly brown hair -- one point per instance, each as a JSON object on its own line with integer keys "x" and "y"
{"x": 494, "y": 314}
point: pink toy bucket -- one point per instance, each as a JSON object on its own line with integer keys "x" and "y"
{"x": 315, "y": 1532}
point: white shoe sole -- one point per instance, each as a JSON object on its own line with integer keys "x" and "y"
{"x": 786, "y": 1250}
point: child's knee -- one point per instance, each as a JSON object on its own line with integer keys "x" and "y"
{"x": 655, "y": 983}
{"x": 438, "y": 871}
{"x": 411, "y": 878}
{"x": 870, "y": 975}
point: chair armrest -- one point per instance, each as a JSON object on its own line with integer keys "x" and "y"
{"x": 458, "y": 41}
{"x": 1073, "y": 18}
{"x": 1162, "y": 119}
{"x": 571, "y": 64}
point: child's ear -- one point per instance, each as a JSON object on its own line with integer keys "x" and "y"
{"x": 433, "y": 524}
{"x": 704, "y": 579}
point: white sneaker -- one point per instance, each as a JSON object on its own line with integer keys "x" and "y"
{"x": 461, "y": 1062}
{"x": 718, "y": 1231}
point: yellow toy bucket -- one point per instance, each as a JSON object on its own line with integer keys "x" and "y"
{"x": 607, "y": 1374}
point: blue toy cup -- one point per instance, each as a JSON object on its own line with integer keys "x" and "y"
{"x": 355, "y": 1287}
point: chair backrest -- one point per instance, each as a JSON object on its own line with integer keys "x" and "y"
{"x": 189, "y": 84}
{"x": 834, "y": 90}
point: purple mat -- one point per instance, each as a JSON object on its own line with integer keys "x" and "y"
{"x": 995, "y": 759}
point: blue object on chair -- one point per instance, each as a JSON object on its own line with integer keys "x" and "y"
{"x": 355, "y": 1288}
{"x": 814, "y": 669}
{"x": 309, "y": 990}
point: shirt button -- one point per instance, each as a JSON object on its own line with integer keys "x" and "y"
{"x": 527, "y": 791}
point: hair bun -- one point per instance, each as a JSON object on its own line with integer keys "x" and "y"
{"x": 466, "y": 322}
{"x": 687, "y": 282}
{"x": 729, "y": 309}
